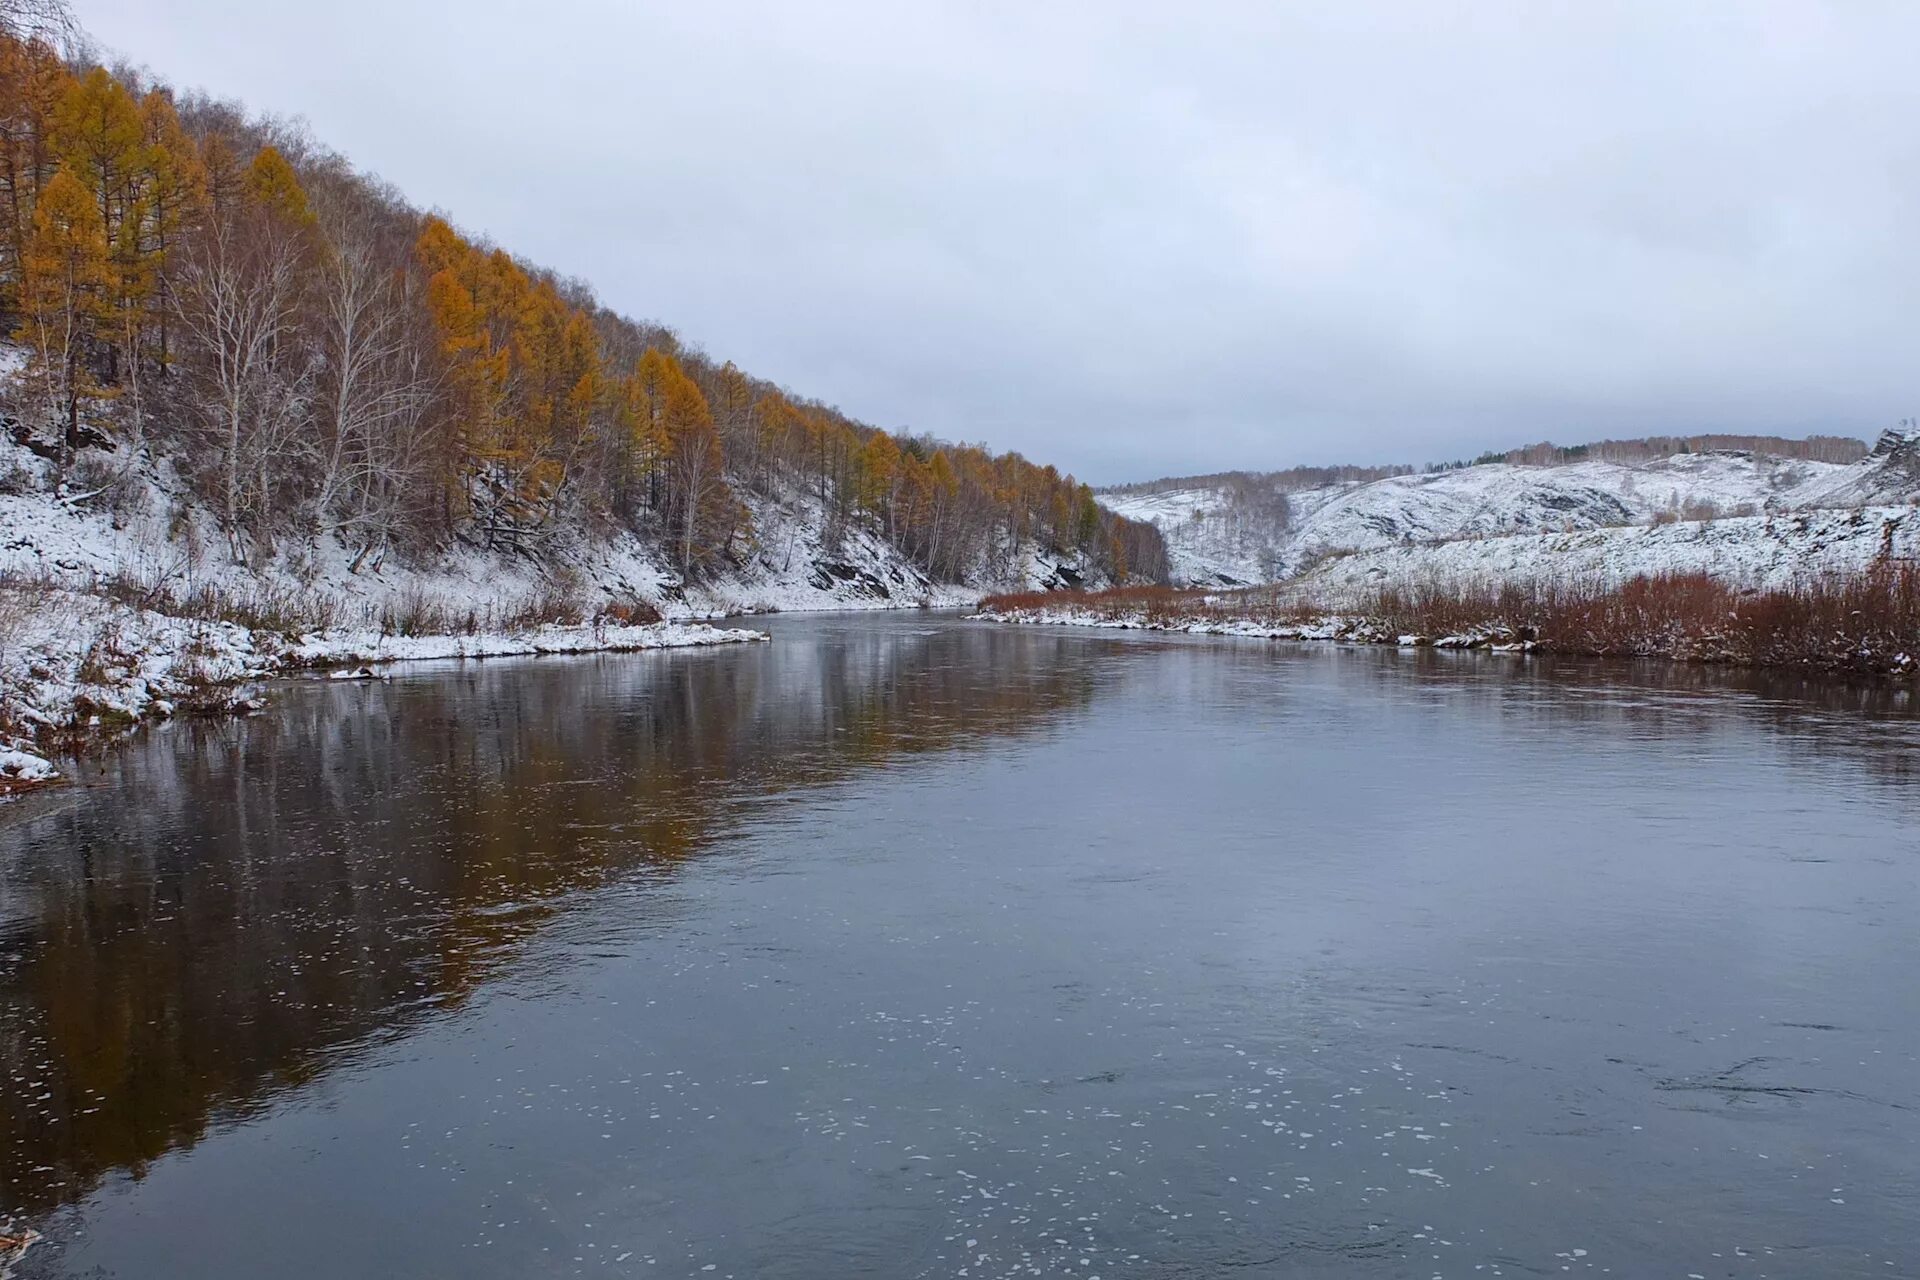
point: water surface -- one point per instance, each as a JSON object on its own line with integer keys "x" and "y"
{"x": 910, "y": 947}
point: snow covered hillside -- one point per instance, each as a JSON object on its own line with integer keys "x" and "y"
{"x": 1762, "y": 551}
{"x": 1215, "y": 536}
{"x": 152, "y": 532}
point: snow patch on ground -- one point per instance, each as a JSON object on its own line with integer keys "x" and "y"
{"x": 24, "y": 766}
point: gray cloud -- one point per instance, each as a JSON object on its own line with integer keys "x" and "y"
{"x": 1132, "y": 240}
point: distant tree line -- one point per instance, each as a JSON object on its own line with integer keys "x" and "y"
{"x": 319, "y": 359}
{"x": 1839, "y": 449}
{"x": 1248, "y": 487}
{"x": 1292, "y": 479}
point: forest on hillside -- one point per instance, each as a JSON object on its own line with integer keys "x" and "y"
{"x": 206, "y": 290}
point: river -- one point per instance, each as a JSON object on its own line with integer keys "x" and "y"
{"x": 906, "y": 946}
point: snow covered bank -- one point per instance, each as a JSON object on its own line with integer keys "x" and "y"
{"x": 1347, "y": 628}
{"x": 74, "y": 664}
{"x": 337, "y": 648}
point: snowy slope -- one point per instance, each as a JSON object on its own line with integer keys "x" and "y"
{"x": 1209, "y": 538}
{"x": 1209, "y": 543}
{"x": 1890, "y": 473}
{"x": 1751, "y": 551}
{"x": 794, "y": 561}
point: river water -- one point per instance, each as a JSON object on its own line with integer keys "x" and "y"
{"x": 905, "y": 946}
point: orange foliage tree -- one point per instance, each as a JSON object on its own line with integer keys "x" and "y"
{"x": 349, "y": 367}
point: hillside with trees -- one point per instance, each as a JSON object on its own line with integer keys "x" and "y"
{"x": 216, "y": 298}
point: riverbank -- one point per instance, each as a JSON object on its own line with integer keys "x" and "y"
{"x": 77, "y": 667}
{"x": 1865, "y": 622}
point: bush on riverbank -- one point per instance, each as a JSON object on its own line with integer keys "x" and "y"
{"x": 1856, "y": 622}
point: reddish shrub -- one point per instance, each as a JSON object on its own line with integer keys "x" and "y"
{"x": 632, "y": 613}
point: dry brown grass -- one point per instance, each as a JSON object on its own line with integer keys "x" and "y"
{"x": 261, "y": 607}
{"x": 16, "y": 605}
{"x": 630, "y": 613}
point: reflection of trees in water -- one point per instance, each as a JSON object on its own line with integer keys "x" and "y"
{"x": 250, "y": 900}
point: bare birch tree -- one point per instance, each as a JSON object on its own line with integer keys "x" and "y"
{"x": 238, "y": 305}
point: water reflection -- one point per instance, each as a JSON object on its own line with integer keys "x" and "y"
{"x": 225, "y": 910}
{"x": 1254, "y": 954}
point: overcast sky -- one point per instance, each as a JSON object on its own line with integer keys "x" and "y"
{"x": 1138, "y": 240}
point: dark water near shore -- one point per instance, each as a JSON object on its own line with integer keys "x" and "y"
{"x": 909, "y": 947}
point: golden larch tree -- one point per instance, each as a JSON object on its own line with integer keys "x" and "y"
{"x": 32, "y": 83}
{"x": 65, "y": 280}
{"x": 176, "y": 184}
{"x": 272, "y": 185}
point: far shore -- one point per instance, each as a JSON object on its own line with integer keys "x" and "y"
{"x": 1867, "y": 622}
